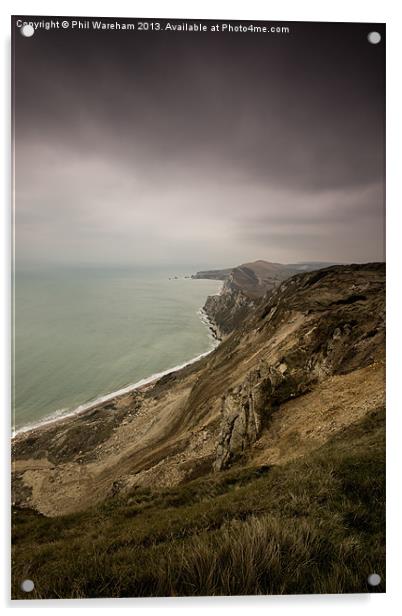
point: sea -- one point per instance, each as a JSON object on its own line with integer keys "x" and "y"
{"x": 82, "y": 335}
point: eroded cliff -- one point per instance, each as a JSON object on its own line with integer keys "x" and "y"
{"x": 244, "y": 287}
{"x": 320, "y": 331}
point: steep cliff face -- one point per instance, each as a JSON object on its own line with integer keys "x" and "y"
{"x": 243, "y": 287}
{"x": 305, "y": 363}
{"x": 228, "y": 310}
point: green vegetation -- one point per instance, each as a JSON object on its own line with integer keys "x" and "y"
{"x": 315, "y": 525}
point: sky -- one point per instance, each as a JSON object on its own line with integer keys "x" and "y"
{"x": 159, "y": 148}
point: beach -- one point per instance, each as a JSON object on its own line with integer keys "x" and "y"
{"x": 83, "y": 338}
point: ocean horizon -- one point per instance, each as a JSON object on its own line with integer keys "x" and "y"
{"x": 86, "y": 334}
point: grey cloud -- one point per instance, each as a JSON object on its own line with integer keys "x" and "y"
{"x": 171, "y": 148}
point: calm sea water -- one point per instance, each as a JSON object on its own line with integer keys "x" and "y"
{"x": 85, "y": 333}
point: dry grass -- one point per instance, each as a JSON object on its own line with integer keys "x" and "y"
{"x": 313, "y": 525}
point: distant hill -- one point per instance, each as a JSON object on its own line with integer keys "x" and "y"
{"x": 256, "y": 277}
{"x": 213, "y": 274}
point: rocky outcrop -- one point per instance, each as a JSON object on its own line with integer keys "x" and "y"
{"x": 245, "y": 409}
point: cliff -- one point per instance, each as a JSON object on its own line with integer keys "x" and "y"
{"x": 244, "y": 286}
{"x": 313, "y": 327}
{"x": 212, "y": 274}
{"x": 284, "y": 419}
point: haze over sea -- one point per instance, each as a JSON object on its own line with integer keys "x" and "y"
{"x": 83, "y": 333}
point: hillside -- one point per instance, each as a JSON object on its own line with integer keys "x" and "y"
{"x": 270, "y": 448}
{"x": 243, "y": 287}
{"x": 263, "y": 269}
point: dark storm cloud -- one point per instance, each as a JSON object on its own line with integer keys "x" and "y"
{"x": 160, "y": 146}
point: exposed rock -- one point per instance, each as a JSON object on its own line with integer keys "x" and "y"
{"x": 244, "y": 286}
{"x": 227, "y": 310}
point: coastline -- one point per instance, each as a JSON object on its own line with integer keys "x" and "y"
{"x": 196, "y": 445}
{"x": 60, "y": 415}
{"x": 211, "y": 325}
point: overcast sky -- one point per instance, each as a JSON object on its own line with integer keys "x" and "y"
{"x": 210, "y": 149}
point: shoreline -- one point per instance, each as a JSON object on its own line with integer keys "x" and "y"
{"x": 59, "y": 415}
{"x": 211, "y": 325}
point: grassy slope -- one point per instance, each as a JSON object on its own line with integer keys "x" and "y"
{"x": 314, "y": 525}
